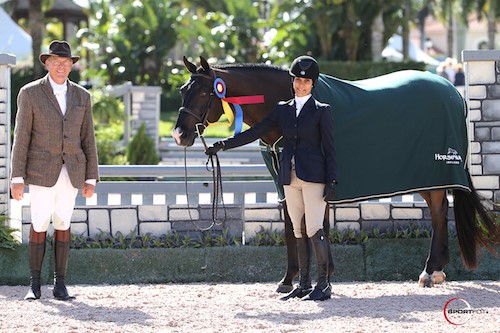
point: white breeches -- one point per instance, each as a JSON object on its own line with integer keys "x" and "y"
{"x": 54, "y": 203}
{"x": 305, "y": 198}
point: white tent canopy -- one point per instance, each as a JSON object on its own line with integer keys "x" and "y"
{"x": 13, "y": 39}
{"x": 394, "y": 52}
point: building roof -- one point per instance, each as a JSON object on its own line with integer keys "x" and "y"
{"x": 433, "y": 25}
{"x": 65, "y": 10}
{"x": 13, "y": 39}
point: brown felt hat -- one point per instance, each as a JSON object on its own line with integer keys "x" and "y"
{"x": 58, "y": 49}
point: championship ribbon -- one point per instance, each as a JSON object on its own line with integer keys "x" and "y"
{"x": 237, "y": 117}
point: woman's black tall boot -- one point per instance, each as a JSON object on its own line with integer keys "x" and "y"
{"x": 61, "y": 256}
{"x": 304, "y": 256}
{"x": 323, "y": 289}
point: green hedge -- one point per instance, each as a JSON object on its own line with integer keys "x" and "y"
{"x": 374, "y": 260}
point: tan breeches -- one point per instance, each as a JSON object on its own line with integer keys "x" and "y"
{"x": 305, "y": 198}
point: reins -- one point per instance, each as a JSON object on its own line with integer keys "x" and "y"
{"x": 216, "y": 184}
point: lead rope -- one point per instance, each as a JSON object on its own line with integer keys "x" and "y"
{"x": 216, "y": 183}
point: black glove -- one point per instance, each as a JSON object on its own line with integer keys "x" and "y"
{"x": 214, "y": 149}
{"x": 330, "y": 189}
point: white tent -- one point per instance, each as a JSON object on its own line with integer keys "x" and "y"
{"x": 394, "y": 52}
{"x": 13, "y": 39}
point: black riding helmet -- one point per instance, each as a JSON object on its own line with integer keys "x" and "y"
{"x": 305, "y": 66}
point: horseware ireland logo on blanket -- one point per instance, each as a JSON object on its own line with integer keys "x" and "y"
{"x": 451, "y": 157}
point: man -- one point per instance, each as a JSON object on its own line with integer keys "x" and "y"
{"x": 54, "y": 152}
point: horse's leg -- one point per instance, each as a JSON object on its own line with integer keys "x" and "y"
{"x": 439, "y": 252}
{"x": 326, "y": 228}
{"x": 292, "y": 268}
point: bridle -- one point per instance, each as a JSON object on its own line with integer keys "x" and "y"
{"x": 202, "y": 120}
{"x": 202, "y": 123}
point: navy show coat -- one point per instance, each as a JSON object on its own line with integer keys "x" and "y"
{"x": 308, "y": 137}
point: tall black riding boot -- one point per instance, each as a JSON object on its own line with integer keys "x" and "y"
{"x": 36, "y": 252}
{"x": 323, "y": 289}
{"x": 304, "y": 256}
{"x": 61, "y": 255}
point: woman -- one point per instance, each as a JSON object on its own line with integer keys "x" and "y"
{"x": 307, "y": 170}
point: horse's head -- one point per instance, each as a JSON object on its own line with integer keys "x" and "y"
{"x": 197, "y": 101}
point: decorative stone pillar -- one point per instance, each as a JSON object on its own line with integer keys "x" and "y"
{"x": 482, "y": 92}
{"x": 7, "y": 61}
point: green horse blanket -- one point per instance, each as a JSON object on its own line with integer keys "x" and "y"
{"x": 398, "y": 133}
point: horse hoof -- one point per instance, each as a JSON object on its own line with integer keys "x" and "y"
{"x": 425, "y": 280}
{"x": 284, "y": 288}
{"x": 438, "y": 277}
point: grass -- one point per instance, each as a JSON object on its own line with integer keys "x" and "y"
{"x": 216, "y": 130}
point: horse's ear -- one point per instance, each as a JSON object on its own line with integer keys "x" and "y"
{"x": 189, "y": 65}
{"x": 204, "y": 64}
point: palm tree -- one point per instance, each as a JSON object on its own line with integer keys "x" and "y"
{"x": 36, "y": 27}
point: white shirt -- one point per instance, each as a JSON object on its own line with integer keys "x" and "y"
{"x": 299, "y": 103}
{"x": 60, "y": 93}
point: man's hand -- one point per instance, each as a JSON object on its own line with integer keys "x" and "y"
{"x": 88, "y": 190}
{"x": 214, "y": 149}
{"x": 17, "y": 191}
{"x": 330, "y": 190}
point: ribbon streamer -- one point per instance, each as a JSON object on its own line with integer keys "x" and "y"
{"x": 237, "y": 117}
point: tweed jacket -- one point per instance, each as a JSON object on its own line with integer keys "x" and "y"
{"x": 308, "y": 138}
{"x": 44, "y": 138}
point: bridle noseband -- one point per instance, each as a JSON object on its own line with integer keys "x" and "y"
{"x": 202, "y": 120}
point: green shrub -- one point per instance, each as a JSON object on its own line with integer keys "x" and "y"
{"x": 171, "y": 240}
{"x": 214, "y": 238}
{"x": 7, "y": 239}
{"x": 109, "y": 150}
{"x": 141, "y": 150}
{"x": 107, "y": 109}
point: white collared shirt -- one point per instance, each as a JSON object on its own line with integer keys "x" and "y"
{"x": 299, "y": 103}
{"x": 60, "y": 91}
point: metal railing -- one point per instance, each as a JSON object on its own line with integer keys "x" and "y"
{"x": 178, "y": 184}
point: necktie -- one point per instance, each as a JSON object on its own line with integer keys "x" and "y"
{"x": 60, "y": 91}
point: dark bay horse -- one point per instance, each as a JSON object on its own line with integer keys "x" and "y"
{"x": 400, "y": 133}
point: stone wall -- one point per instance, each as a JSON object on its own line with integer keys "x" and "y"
{"x": 238, "y": 219}
{"x": 6, "y": 63}
{"x": 482, "y": 75}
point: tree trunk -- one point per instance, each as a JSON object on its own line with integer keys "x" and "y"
{"x": 377, "y": 37}
{"x": 451, "y": 30}
{"x": 491, "y": 24}
{"x": 36, "y": 32}
{"x": 325, "y": 38}
{"x": 422, "y": 17}
{"x": 406, "y": 31}
{"x": 351, "y": 32}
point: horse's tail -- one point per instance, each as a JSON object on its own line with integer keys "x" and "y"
{"x": 474, "y": 225}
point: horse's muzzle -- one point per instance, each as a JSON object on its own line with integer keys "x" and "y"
{"x": 183, "y": 138}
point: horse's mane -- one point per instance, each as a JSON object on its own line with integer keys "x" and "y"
{"x": 258, "y": 66}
